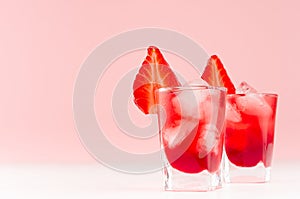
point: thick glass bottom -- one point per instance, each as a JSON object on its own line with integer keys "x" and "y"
{"x": 179, "y": 181}
{"x": 236, "y": 174}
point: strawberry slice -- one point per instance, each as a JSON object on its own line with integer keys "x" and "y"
{"x": 154, "y": 73}
{"x": 215, "y": 74}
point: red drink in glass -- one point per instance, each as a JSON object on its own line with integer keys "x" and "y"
{"x": 249, "y": 137}
{"x": 191, "y": 121}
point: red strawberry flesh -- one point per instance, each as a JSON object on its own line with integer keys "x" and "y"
{"x": 215, "y": 74}
{"x": 154, "y": 73}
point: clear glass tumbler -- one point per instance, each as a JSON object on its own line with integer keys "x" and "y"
{"x": 249, "y": 136}
{"x": 191, "y": 121}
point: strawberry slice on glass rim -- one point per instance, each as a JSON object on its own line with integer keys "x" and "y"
{"x": 215, "y": 74}
{"x": 154, "y": 73}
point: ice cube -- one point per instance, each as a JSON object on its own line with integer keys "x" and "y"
{"x": 232, "y": 113}
{"x": 187, "y": 104}
{"x": 253, "y": 104}
{"x": 207, "y": 140}
{"x": 245, "y": 88}
{"x": 174, "y": 136}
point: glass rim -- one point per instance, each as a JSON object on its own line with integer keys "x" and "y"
{"x": 257, "y": 93}
{"x": 191, "y": 87}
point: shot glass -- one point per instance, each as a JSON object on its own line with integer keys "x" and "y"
{"x": 191, "y": 121}
{"x": 249, "y": 137}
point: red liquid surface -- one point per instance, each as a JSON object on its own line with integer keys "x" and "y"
{"x": 250, "y": 140}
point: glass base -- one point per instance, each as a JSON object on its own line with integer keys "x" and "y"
{"x": 179, "y": 181}
{"x": 256, "y": 174}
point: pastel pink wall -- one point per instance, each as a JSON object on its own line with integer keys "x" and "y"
{"x": 43, "y": 44}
